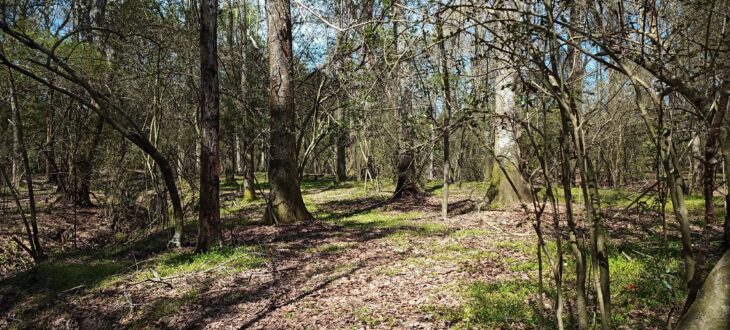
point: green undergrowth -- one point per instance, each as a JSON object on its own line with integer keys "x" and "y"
{"x": 458, "y": 253}
{"x": 174, "y": 263}
{"x": 621, "y": 199}
{"x": 504, "y": 305}
{"x": 645, "y": 277}
{"x": 378, "y": 219}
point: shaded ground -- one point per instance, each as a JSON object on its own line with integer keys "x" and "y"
{"x": 365, "y": 264}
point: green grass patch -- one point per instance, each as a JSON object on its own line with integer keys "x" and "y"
{"x": 237, "y": 258}
{"x": 457, "y": 253}
{"x": 491, "y": 305}
{"x": 390, "y": 271}
{"x": 647, "y": 283}
{"x": 471, "y": 233}
{"x": 379, "y": 219}
{"x": 431, "y": 228}
{"x": 517, "y": 246}
{"x": 331, "y": 248}
{"x": 401, "y": 238}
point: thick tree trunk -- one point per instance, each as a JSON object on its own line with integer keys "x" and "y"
{"x": 710, "y": 162}
{"x": 92, "y": 16}
{"x": 507, "y": 152}
{"x": 209, "y": 230}
{"x": 711, "y": 309}
{"x": 578, "y": 255}
{"x": 285, "y": 203}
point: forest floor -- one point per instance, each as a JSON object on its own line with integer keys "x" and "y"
{"x": 365, "y": 263}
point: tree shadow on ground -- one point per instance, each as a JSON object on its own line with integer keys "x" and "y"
{"x": 288, "y": 249}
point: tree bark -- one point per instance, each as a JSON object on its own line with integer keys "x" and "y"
{"x": 249, "y": 191}
{"x": 407, "y": 178}
{"x": 209, "y": 230}
{"x": 446, "y": 118}
{"x": 285, "y": 203}
{"x": 711, "y": 309}
{"x": 507, "y": 186}
{"x": 341, "y": 148}
{"x": 81, "y": 195}
{"x": 506, "y": 149}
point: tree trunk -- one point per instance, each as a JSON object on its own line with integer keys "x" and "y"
{"x": 506, "y": 150}
{"x": 50, "y": 150}
{"x": 209, "y": 230}
{"x": 341, "y": 166}
{"x": 578, "y": 255}
{"x": 285, "y": 203}
{"x": 249, "y": 191}
{"x": 407, "y": 180}
{"x": 711, "y": 309}
{"x": 710, "y": 162}
{"x": 231, "y": 173}
{"x": 239, "y": 155}
{"x": 696, "y": 161}
{"x": 81, "y": 195}
{"x": 446, "y": 118}
{"x": 22, "y": 154}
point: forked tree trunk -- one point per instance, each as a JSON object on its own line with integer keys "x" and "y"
{"x": 209, "y": 230}
{"x": 285, "y": 203}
